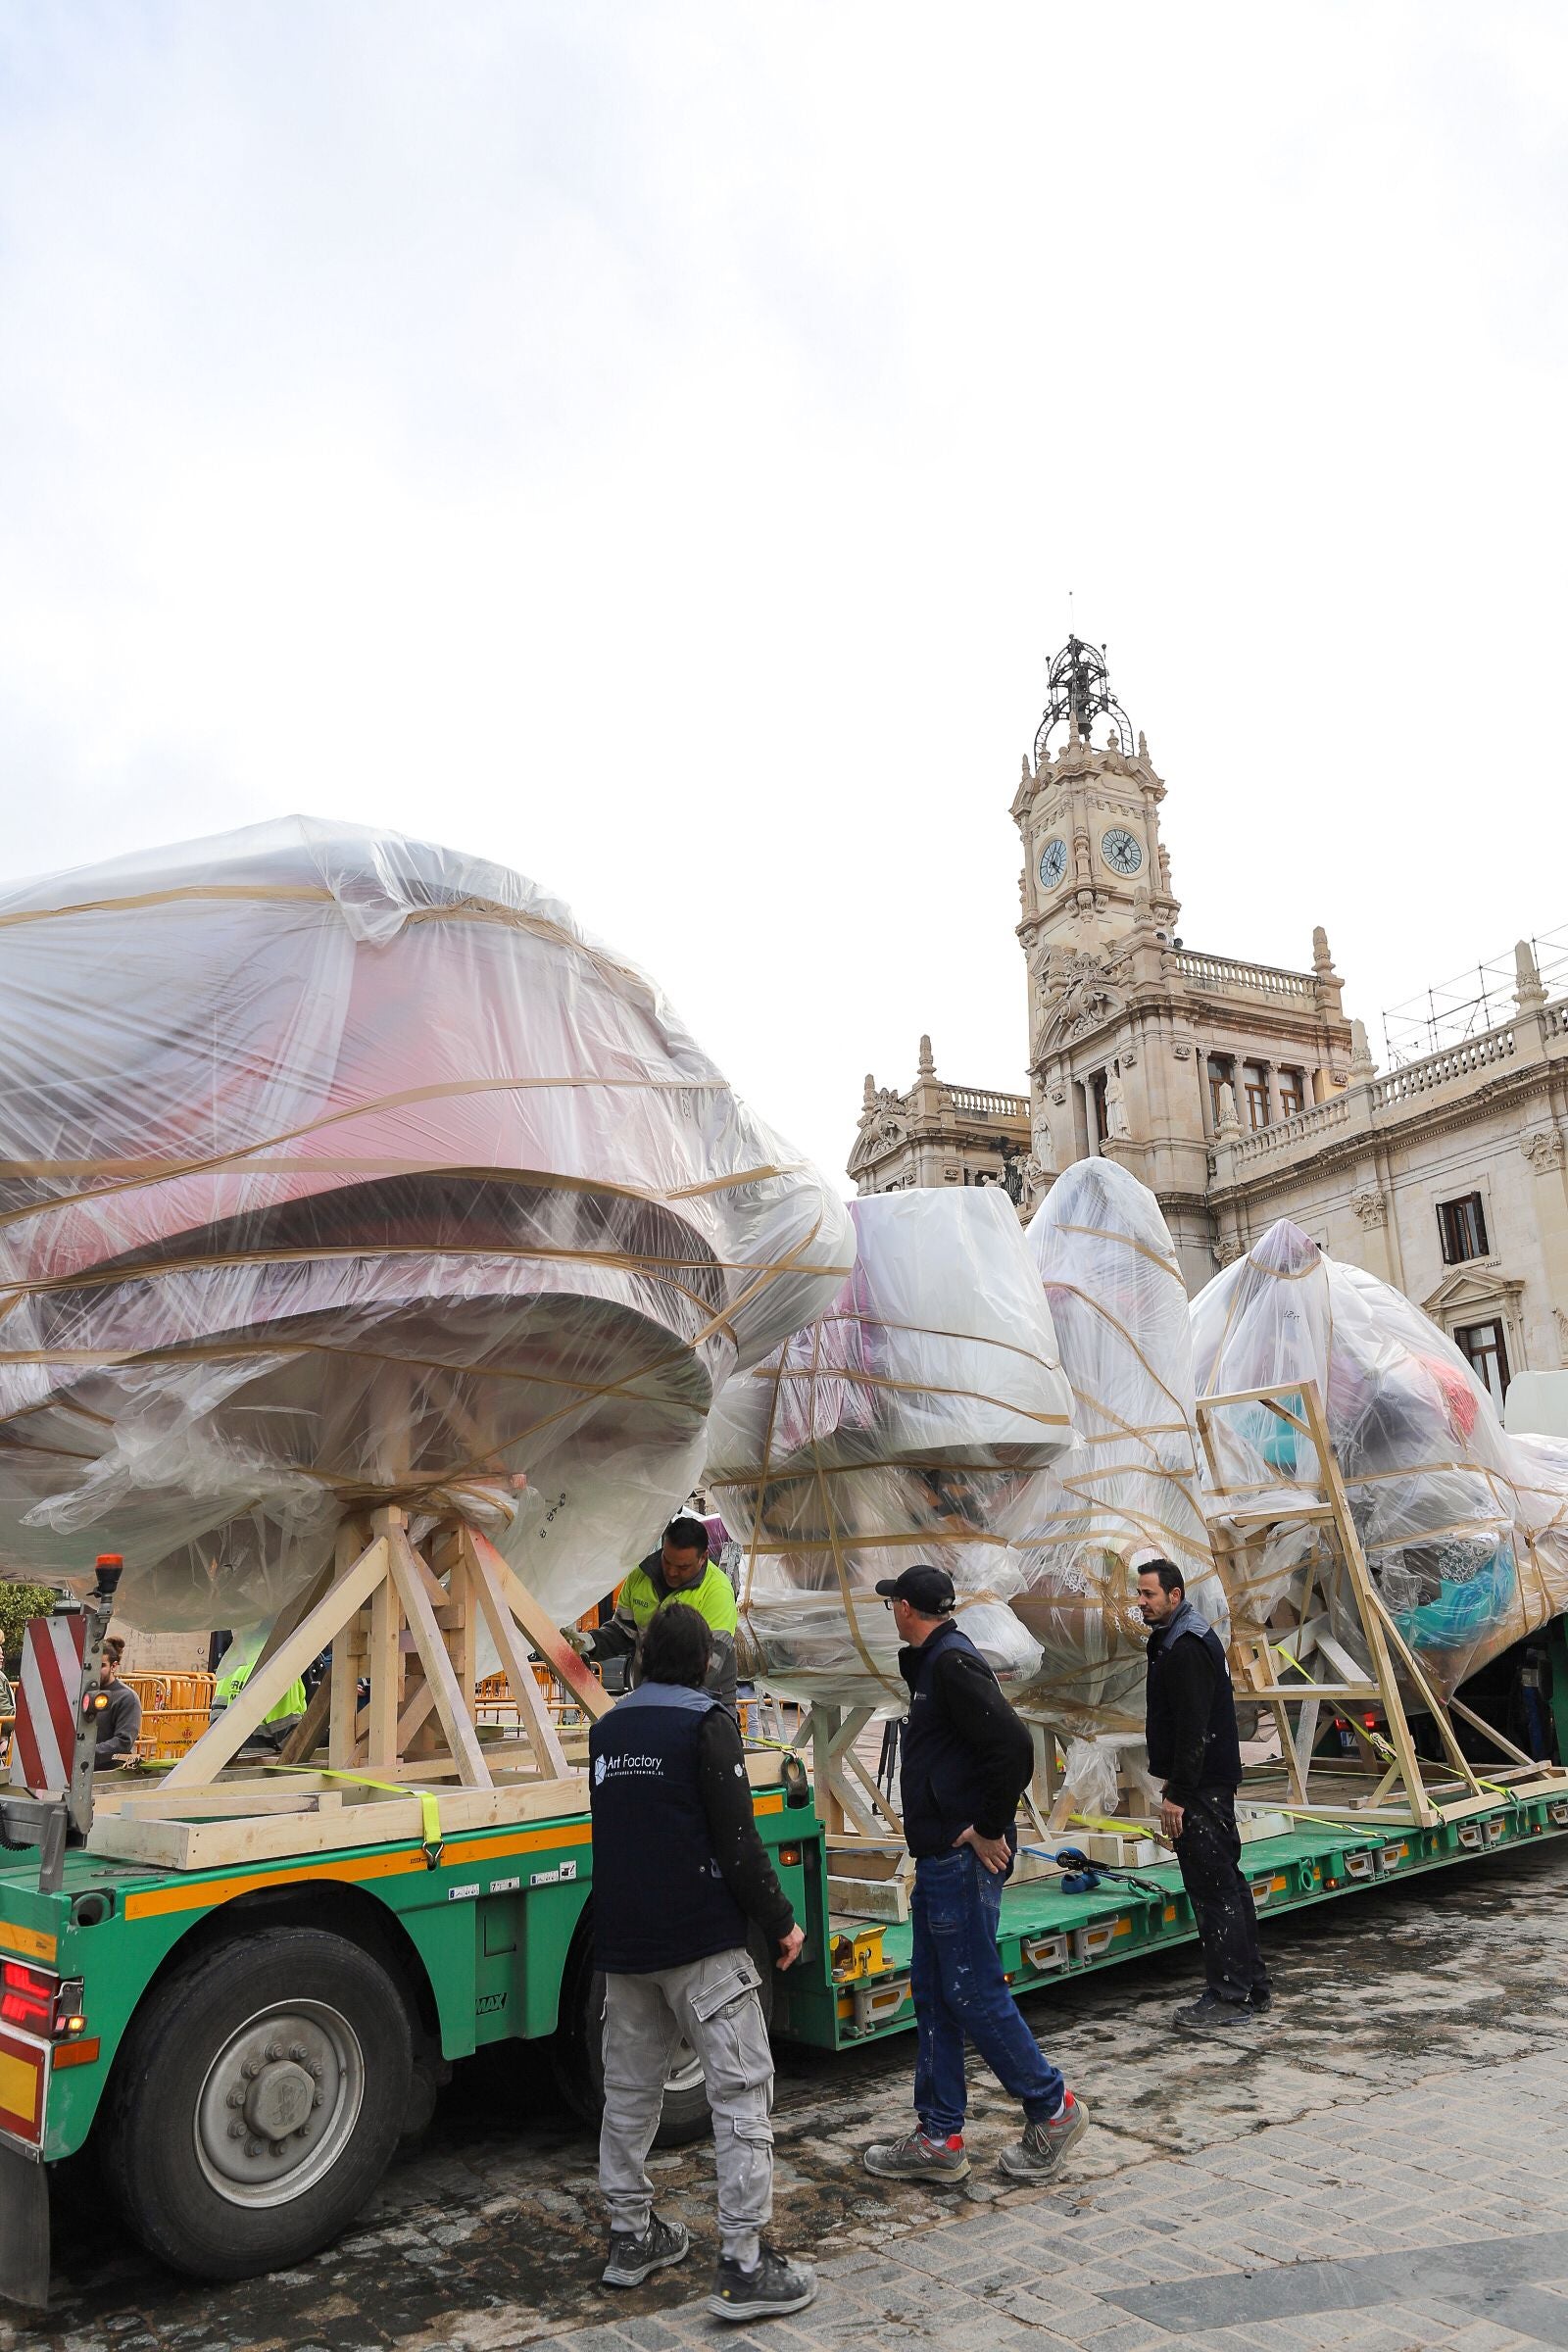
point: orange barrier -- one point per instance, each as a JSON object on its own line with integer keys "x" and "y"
{"x": 175, "y": 1709}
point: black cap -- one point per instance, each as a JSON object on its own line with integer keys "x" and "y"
{"x": 928, "y": 1589}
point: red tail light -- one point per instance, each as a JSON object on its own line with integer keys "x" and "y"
{"x": 38, "y": 2001}
{"x": 27, "y": 1996}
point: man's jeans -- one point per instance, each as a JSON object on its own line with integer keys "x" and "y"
{"x": 960, "y": 1989}
{"x": 1209, "y": 1853}
{"x": 712, "y": 2005}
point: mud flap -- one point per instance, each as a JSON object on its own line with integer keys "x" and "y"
{"x": 23, "y": 2230}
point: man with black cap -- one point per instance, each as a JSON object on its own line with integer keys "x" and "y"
{"x": 966, "y": 1763}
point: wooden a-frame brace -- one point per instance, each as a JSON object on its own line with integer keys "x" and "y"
{"x": 1241, "y": 1521}
{"x": 406, "y": 1617}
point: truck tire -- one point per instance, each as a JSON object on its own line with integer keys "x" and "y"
{"x": 256, "y": 2100}
{"x": 578, "y": 2058}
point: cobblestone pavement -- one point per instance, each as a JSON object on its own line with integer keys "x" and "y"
{"x": 1384, "y": 2163}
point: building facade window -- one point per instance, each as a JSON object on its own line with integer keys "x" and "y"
{"x": 1293, "y": 1093}
{"x": 1484, "y": 1351}
{"x": 1254, "y": 1081}
{"x": 1462, "y": 1230}
{"x": 1221, "y": 1072}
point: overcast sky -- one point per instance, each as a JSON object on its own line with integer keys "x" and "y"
{"x": 654, "y": 446}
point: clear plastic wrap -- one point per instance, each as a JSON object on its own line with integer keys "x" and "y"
{"x": 345, "y": 1168}
{"x": 1462, "y": 1525}
{"x": 1130, "y": 1488}
{"x": 911, "y": 1422}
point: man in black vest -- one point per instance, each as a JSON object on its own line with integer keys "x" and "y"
{"x": 1194, "y": 1748}
{"x": 966, "y": 1762}
{"x": 678, "y": 1873}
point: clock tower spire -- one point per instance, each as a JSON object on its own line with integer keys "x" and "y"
{"x": 1094, "y": 864}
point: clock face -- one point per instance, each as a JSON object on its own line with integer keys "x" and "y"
{"x": 1052, "y": 864}
{"x": 1120, "y": 852}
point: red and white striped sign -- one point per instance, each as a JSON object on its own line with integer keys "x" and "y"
{"x": 43, "y": 1743}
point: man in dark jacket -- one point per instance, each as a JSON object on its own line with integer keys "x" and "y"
{"x": 966, "y": 1762}
{"x": 679, "y": 1871}
{"x": 119, "y": 1724}
{"x": 1194, "y": 1748}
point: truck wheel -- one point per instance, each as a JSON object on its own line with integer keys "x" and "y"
{"x": 580, "y": 2063}
{"x": 256, "y": 2101}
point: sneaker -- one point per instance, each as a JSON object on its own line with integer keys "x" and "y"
{"x": 1039, "y": 2154}
{"x": 1260, "y": 2002}
{"x": 632, "y": 2258}
{"x": 918, "y": 2158}
{"x": 1210, "y": 2010}
{"x": 774, "y": 2288}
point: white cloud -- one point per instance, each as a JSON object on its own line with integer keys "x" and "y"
{"x": 654, "y": 445}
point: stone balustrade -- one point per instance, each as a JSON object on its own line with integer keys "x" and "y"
{"x": 1226, "y": 977}
{"x": 1302, "y": 1128}
{"x": 1385, "y": 1101}
{"x": 978, "y": 1102}
{"x": 1413, "y": 1079}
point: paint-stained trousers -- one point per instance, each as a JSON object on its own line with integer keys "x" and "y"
{"x": 712, "y": 2004}
{"x": 1209, "y": 1853}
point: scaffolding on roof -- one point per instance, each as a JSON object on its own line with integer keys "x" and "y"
{"x": 1474, "y": 1001}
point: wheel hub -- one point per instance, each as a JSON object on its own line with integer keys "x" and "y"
{"x": 280, "y": 2100}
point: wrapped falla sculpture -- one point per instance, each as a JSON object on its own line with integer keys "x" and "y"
{"x": 1129, "y": 1489}
{"x": 911, "y": 1421}
{"x": 343, "y": 1168}
{"x": 1461, "y": 1525}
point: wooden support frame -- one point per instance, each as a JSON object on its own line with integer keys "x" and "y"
{"x": 1298, "y": 1632}
{"x": 848, "y": 1801}
{"x": 406, "y": 1616}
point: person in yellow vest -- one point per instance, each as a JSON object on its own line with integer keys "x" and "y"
{"x": 680, "y": 1570}
{"x": 234, "y": 1672}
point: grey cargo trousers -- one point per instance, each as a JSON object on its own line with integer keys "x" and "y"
{"x": 712, "y": 2005}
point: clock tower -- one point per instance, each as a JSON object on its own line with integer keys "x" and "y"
{"x": 1089, "y": 818}
{"x": 1140, "y": 1049}
{"x": 1170, "y": 1060}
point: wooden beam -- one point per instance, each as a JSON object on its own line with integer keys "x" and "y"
{"x": 1435, "y": 1706}
{"x": 251, "y": 1706}
{"x": 1368, "y": 1605}
{"x": 1479, "y": 1723}
{"x": 297, "y": 1610}
{"x": 344, "y": 1705}
{"x": 533, "y": 1713}
{"x": 304, "y": 1740}
{"x": 382, "y": 1745}
{"x": 451, "y": 1704}
{"x": 544, "y": 1633}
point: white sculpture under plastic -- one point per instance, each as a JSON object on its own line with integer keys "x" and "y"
{"x": 1463, "y": 1526}
{"x": 912, "y": 1421}
{"x": 345, "y": 1170}
{"x": 1130, "y": 1488}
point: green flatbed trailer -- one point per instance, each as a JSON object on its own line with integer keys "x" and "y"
{"x": 249, "y": 2043}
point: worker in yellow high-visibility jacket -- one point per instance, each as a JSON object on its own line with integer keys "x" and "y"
{"x": 234, "y": 1672}
{"x": 679, "y": 1571}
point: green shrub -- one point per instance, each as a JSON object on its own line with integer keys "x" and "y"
{"x": 19, "y": 1602}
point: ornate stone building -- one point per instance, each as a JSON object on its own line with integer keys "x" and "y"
{"x": 1238, "y": 1092}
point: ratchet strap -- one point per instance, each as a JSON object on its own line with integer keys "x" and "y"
{"x": 432, "y": 1842}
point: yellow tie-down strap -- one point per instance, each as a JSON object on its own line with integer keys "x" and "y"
{"x": 432, "y": 1839}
